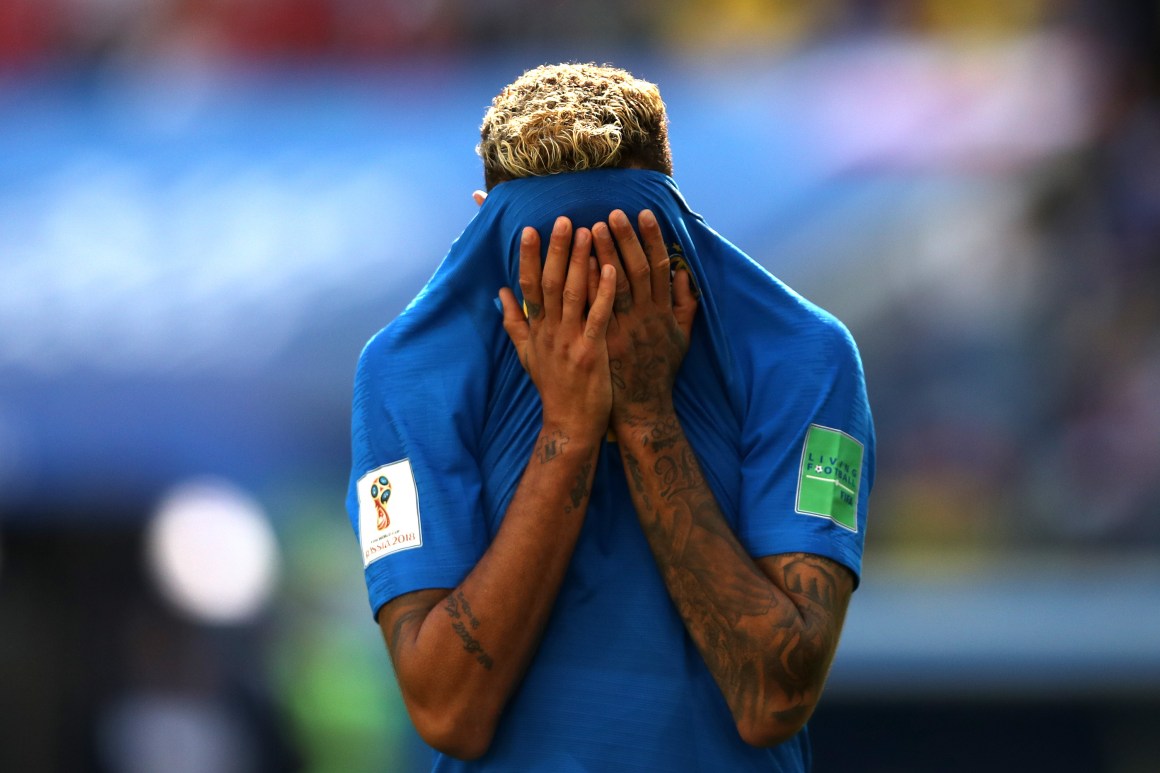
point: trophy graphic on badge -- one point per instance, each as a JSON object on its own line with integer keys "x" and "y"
{"x": 380, "y": 493}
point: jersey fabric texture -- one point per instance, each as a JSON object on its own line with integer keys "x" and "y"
{"x": 616, "y": 683}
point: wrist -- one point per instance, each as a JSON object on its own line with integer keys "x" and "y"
{"x": 561, "y": 437}
{"x": 642, "y": 425}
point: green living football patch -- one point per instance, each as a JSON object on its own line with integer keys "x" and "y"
{"x": 830, "y": 473}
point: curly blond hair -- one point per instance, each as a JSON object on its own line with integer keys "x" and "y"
{"x": 573, "y": 117}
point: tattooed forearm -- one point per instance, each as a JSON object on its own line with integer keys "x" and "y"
{"x": 662, "y": 434}
{"x": 679, "y": 473}
{"x": 766, "y": 636}
{"x": 459, "y": 611}
{"x": 551, "y": 446}
{"x": 634, "y": 472}
{"x": 756, "y": 642}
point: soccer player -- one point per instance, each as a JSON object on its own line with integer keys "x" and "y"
{"x": 611, "y": 522}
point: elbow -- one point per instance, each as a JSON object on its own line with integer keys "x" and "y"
{"x": 774, "y": 726}
{"x": 458, "y": 746}
{"x": 459, "y": 734}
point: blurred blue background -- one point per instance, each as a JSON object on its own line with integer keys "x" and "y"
{"x": 208, "y": 206}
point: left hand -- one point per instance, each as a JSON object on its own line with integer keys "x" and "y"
{"x": 648, "y": 335}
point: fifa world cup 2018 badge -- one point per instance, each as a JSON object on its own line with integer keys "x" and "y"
{"x": 380, "y": 493}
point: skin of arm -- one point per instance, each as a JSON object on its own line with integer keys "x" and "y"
{"x": 459, "y": 654}
{"x": 767, "y": 629}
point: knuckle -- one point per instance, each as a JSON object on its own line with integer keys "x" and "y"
{"x": 585, "y": 358}
{"x": 597, "y": 331}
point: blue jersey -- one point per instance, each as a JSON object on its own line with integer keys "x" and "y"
{"x": 771, "y": 396}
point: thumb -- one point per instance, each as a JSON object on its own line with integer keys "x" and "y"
{"x": 515, "y": 324}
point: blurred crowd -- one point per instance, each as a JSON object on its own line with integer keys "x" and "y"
{"x": 1032, "y": 420}
{"x": 38, "y": 31}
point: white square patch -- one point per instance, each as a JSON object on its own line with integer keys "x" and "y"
{"x": 388, "y": 511}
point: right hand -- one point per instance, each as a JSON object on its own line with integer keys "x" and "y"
{"x": 563, "y": 349}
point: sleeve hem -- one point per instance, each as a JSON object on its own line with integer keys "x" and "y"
{"x": 383, "y": 587}
{"x": 818, "y": 548}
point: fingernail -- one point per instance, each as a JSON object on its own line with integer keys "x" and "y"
{"x": 529, "y": 235}
{"x": 561, "y": 225}
{"x": 647, "y": 217}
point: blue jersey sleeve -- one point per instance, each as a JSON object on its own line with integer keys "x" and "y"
{"x": 414, "y": 492}
{"x": 808, "y": 449}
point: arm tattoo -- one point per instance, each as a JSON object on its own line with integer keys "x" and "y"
{"x": 412, "y": 611}
{"x": 637, "y": 476}
{"x": 467, "y": 609}
{"x": 680, "y": 473}
{"x": 814, "y": 579}
{"x": 579, "y": 488}
{"x": 750, "y": 634}
{"x": 551, "y": 447}
{"x": 663, "y": 434}
{"x": 459, "y": 611}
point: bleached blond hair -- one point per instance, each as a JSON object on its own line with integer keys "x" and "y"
{"x": 570, "y": 118}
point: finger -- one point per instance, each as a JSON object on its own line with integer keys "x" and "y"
{"x": 684, "y": 302}
{"x": 607, "y": 256}
{"x": 601, "y": 312}
{"x": 555, "y": 266}
{"x": 479, "y": 197}
{"x": 576, "y": 284}
{"x": 530, "y": 273}
{"x": 658, "y": 258}
{"x": 632, "y": 255}
{"x": 593, "y": 278}
{"x": 515, "y": 324}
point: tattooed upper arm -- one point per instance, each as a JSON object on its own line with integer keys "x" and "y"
{"x": 400, "y": 618}
{"x": 818, "y": 586}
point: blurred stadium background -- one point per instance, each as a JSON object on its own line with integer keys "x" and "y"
{"x": 207, "y": 206}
